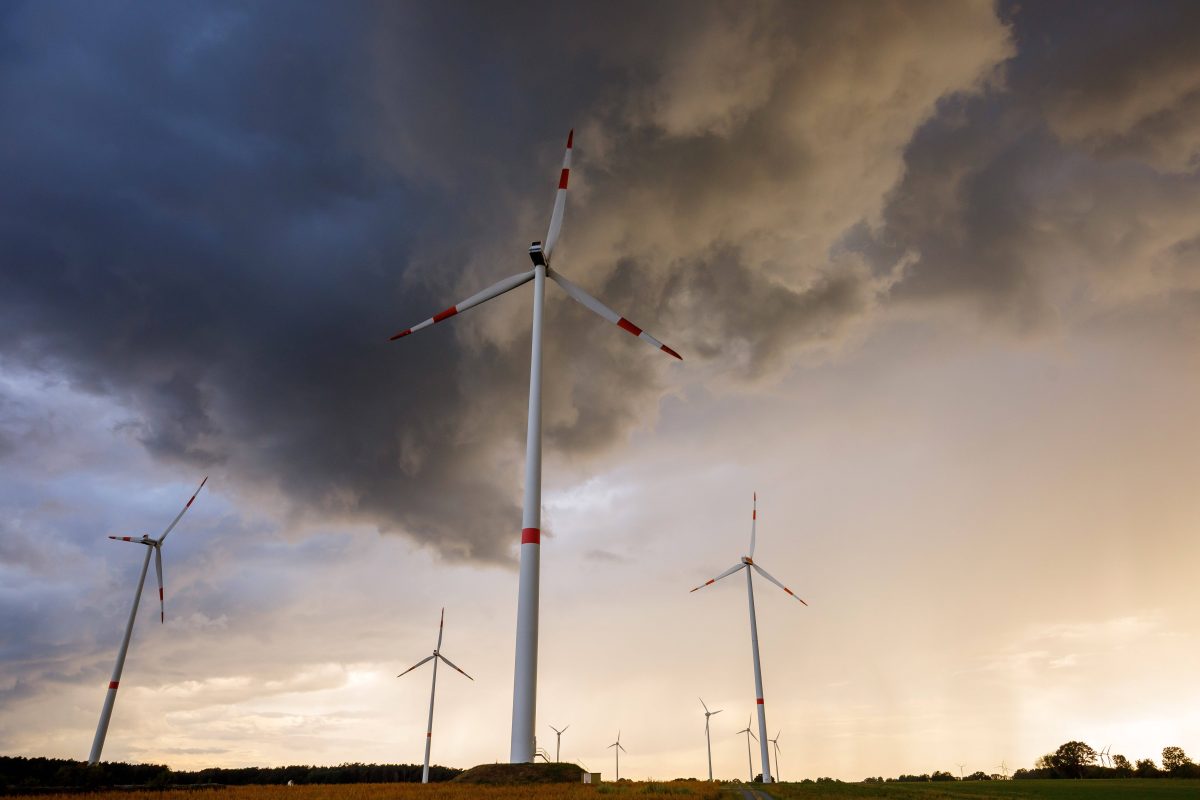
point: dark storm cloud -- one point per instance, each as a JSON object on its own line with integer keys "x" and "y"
{"x": 216, "y": 215}
{"x": 1069, "y": 182}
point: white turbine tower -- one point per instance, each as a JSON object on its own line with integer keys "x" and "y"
{"x": 707, "y": 736}
{"x": 775, "y": 744}
{"x": 558, "y": 745}
{"x": 619, "y": 748}
{"x": 749, "y": 753}
{"x": 154, "y": 545}
{"x": 747, "y": 563}
{"x": 521, "y": 747}
{"x": 437, "y": 653}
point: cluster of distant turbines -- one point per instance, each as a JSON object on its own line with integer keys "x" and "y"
{"x": 523, "y": 747}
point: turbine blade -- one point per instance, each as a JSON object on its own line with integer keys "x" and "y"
{"x": 718, "y": 711}
{"x": 767, "y": 575}
{"x": 414, "y": 666}
{"x": 495, "y": 290}
{"x": 441, "y": 625}
{"x": 452, "y": 665}
{"x": 724, "y": 574}
{"x": 162, "y": 608}
{"x": 753, "y": 524}
{"x": 622, "y": 747}
{"x": 179, "y": 516}
{"x": 594, "y": 305}
{"x": 706, "y": 711}
{"x": 560, "y": 199}
{"x": 134, "y": 539}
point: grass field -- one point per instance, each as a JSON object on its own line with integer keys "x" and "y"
{"x": 987, "y": 790}
{"x": 1127, "y": 789}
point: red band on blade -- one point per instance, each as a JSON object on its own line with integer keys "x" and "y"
{"x": 160, "y": 597}
{"x": 112, "y": 684}
{"x": 570, "y": 138}
{"x": 531, "y": 536}
{"x": 789, "y": 591}
{"x": 714, "y": 580}
{"x": 629, "y": 326}
{"x": 429, "y": 735}
{"x": 449, "y": 312}
{"x": 669, "y": 351}
{"x": 562, "y": 179}
{"x": 189, "y": 505}
{"x": 754, "y": 514}
{"x": 760, "y": 702}
{"x": 400, "y": 335}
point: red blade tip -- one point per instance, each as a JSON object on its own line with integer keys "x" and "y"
{"x": 671, "y": 352}
{"x": 570, "y": 138}
{"x": 400, "y": 335}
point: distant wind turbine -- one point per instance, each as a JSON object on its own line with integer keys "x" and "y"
{"x": 960, "y": 771}
{"x": 155, "y": 546}
{"x": 1004, "y": 769}
{"x": 749, "y": 757}
{"x": 619, "y": 748}
{"x": 707, "y": 737}
{"x": 775, "y": 743}
{"x": 747, "y": 563}
{"x": 437, "y": 654}
{"x": 558, "y": 745}
{"x": 525, "y": 674}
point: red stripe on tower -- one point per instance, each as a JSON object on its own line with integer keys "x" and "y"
{"x": 449, "y": 312}
{"x": 562, "y": 179}
{"x": 531, "y": 536}
{"x": 760, "y": 702}
{"x": 112, "y": 684}
{"x": 629, "y": 326}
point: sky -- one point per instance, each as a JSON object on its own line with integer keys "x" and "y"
{"x": 933, "y": 268}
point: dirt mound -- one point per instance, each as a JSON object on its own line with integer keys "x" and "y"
{"x": 500, "y": 774}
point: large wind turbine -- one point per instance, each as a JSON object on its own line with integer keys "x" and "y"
{"x": 749, "y": 756}
{"x": 707, "y": 737}
{"x": 747, "y": 563}
{"x": 617, "y": 744}
{"x": 437, "y": 653}
{"x": 155, "y": 546}
{"x": 525, "y": 675}
{"x": 558, "y": 744}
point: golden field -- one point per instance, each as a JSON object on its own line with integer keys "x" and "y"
{"x": 416, "y": 791}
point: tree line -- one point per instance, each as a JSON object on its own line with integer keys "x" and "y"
{"x": 1078, "y": 760}
{"x": 18, "y": 772}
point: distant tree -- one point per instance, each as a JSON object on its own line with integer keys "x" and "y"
{"x": 941, "y": 776}
{"x": 1071, "y": 758}
{"x": 1122, "y": 766}
{"x": 1044, "y": 762}
{"x": 978, "y": 776}
{"x": 1146, "y": 768}
{"x": 1173, "y": 758}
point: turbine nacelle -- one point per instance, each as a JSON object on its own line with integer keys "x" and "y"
{"x": 537, "y": 255}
